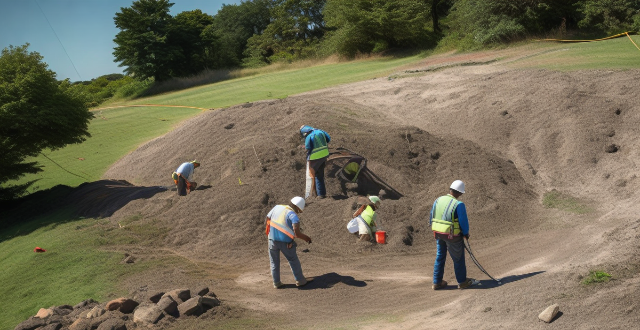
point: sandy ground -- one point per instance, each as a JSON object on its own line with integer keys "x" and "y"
{"x": 511, "y": 135}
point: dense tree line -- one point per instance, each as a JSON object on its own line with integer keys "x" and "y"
{"x": 153, "y": 44}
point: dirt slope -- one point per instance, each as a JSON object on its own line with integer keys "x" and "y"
{"x": 511, "y": 135}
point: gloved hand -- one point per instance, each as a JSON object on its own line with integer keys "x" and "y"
{"x": 309, "y": 241}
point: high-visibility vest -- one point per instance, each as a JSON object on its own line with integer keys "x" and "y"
{"x": 320, "y": 148}
{"x": 279, "y": 222}
{"x": 444, "y": 220}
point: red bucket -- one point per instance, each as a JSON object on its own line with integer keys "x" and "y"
{"x": 381, "y": 237}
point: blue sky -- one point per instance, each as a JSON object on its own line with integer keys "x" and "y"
{"x": 84, "y": 28}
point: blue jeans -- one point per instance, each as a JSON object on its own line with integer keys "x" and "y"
{"x": 456, "y": 251}
{"x": 275, "y": 248}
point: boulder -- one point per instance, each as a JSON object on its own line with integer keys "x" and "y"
{"x": 43, "y": 313}
{"x": 149, "y": 314}
{"x": 81, "y": 323}
{"x": 548, "y": 314}
{"x": 202, "y": 291}
{"x": 156, "y": 297}
{"x": 52, "y": 326}
{"x": 191, "y": 306}
{"x": 124, "y": 305}
{"x": 168, "y": 305}
{"x": 179, "y": 295}
{"x": 112, "y": 324}
{"x": 95, "y": 312}
{"x": 31, "y": 324}
{"x": 210, "y": 301}
{"x": 84, "y": 303}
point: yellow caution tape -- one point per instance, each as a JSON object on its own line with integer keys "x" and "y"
{"x": 632, "y": 41}
{"x": 611, "y": 37}
{"x": 150, "y": 105}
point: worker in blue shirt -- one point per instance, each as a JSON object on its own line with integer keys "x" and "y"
{"x": 316, "y": 143}
{"x": 450, "y": 225}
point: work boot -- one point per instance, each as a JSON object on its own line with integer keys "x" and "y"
{"x": 278, "y": 285}
{"x": 441, "y": 285}
{"x": 304, "y": 281}
{"x": 465, "y": 284}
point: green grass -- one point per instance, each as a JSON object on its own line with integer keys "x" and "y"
{"x": 115, "y": 132}
{"x": 76, "y": 265}
{"x": 557, "y": 200}
{"x": 619, "y": 53}
{"x": 596, "y": 276}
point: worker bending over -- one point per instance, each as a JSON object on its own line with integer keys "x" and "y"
{"x": 316, "y": 143}
{"x": 183, "y": 177}
{"x": 283, "y": 225}
{"x": 450, "y": 224}
{"x": 366, "y": 216}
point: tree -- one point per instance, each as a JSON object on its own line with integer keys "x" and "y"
{"x": 233, "y": 25}
{"x": 296, "y": 28}
{"x": 142, "y": 46}
{"x": 610, "y": 16}
{"x": 184, "y": 33}
{"x": 368, "y": 26}
{"x": 36, "y": 113}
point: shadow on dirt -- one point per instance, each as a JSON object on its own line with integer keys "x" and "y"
{"x": 490, "y": 284}
{"x": 328, "y": 280}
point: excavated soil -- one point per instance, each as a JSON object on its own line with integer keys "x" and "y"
{"x": 511, "y": 135}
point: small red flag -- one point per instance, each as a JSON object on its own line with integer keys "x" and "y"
{"x": 39, "y": 249}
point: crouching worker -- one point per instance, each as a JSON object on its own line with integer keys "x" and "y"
{"x": 283, "y": 225}
{"x": 183, "y": 177}
{"x": 366, "y": 218}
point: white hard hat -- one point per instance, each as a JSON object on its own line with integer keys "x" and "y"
{"x": 458, "y": 186}
{"x": 375, "y": 200}
{"x": 299, "y": 202}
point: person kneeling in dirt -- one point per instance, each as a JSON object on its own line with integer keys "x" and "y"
{"x": 450, "y": 224}
{"x": 282, "y": 226}
{"x": 183, "y": 177}
{"x": 366, "y": 216}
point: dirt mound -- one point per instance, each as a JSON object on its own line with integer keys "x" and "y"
{"x": 511, "y": 136}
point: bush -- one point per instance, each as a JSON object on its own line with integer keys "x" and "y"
{"x": 596, "y": 276}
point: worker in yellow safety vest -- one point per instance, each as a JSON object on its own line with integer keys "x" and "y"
{"x": 316, "y": 143}
{"x": 450, "y": 224}
{"x": 282, "y": 226}
{"x": 366, "y": 216}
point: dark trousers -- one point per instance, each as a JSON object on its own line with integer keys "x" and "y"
{"x": 182, "y": 186}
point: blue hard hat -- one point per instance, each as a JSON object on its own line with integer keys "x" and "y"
{"x": 305, "y": 130}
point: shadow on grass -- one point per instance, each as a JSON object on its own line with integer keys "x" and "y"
{"x": 62, "y": 204}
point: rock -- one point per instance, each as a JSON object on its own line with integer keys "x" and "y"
{"x": 31, "y": 324}
{"x": 149, "y": 314}
{"x": 43, "y": 313}
{"x": 124, "y": 305}
{"x": 191, "y": 306}
{"x": 95, "y": 312}
{"x": 202, "y": 291}
{"x": 156, "y": 297}
{"x": 168, "y": 305}
{"x": 52, "y": 326}
{"x": 129, "y": 260}
{"x": 81, "y": 323}
{"x": 210, "y": 301}
{"x": 548, "y": 314}
{"x": 84, "y": 303}
{"x": 62, "y": 310}
{"x": 112, "y": 324}
{"x": 179, "y": 295}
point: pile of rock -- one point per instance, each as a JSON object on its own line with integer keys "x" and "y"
{"x": 123, "y": 313}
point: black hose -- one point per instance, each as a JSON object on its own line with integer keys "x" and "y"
{"x": 467, "y": 247}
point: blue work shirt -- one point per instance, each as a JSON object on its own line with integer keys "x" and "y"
{"x": 308, "y": 141}
{"x": 186, "y": 170}
{"x": 460, "y": 213}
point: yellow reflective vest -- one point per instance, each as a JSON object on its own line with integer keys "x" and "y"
{"x": 444, "y": 220}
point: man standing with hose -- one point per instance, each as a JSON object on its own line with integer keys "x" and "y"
{"x": 450, "y": 224}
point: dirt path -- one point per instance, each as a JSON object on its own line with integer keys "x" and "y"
{"x": 511, "y": 135}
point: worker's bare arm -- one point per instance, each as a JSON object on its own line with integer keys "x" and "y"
{"x": 299, "y": 234}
